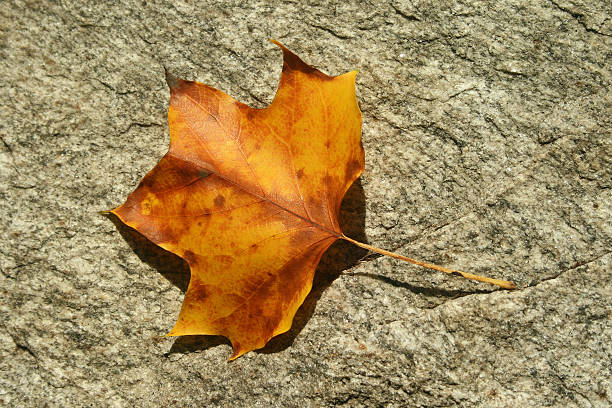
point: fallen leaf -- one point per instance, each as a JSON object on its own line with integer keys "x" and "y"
{"x": 250, "y": 198}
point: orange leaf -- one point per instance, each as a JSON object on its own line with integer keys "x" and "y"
{"x": 250, "y": 198}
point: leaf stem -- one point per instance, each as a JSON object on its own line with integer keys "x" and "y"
{"x": 502, "y": 283}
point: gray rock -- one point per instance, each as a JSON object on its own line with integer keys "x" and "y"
{"x": 488, "y": 148}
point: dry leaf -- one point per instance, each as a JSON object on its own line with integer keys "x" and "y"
{"x": 250, "y": 199}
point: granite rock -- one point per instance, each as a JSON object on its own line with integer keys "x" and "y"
{"x": 488, "y": 149}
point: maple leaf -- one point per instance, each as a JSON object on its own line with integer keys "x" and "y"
{"x": 250, "y": 198}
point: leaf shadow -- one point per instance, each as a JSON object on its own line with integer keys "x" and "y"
{"x": 433, "y": 292}
{"x": 170, "y": 266}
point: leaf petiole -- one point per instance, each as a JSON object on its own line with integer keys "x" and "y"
{"x": 499, "y": 282}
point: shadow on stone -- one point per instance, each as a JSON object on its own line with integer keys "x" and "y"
{"x": 189, "y": 344}
{"x": 420, "y": 290}
{"x": 170, "y": 266}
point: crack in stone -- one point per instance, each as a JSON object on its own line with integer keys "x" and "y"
{"x": 330, "y": 31}
{"x": 579, "y": 18}
{"x": 574, "y": 266}
{"x": 139, "y": 124}
{"x": 408, "y": 17}
{"x": 113, "y": 89}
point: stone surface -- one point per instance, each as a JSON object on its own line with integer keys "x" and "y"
{"x": 488, "y": 148}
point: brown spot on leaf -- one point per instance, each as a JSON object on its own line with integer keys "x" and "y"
{"x": 146, "y": 182}
{"x": 300, "y": 173}
{"x": 219, "y": 201}
{"x": 190, "y": 257}
{"x": 145, "y": 208}
{"x": 198, "y": 292}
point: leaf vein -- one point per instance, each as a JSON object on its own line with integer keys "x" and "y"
{"x": 235, "y": 139}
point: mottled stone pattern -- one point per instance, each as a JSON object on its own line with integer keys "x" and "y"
{"x": 488, "y": 148}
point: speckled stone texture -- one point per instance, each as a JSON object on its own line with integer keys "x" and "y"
{"x": 487, "y": 130}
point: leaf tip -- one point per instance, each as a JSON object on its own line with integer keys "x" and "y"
{"x": 351, "y": 74}
{"x": 237, "y": 352}
{"x": 171, "y": 79}
{"x": 273, "y": 41}
{"x": 286, "y": 51}
{"x": 510, "y": 285}
{"x": 108, "y": 212}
